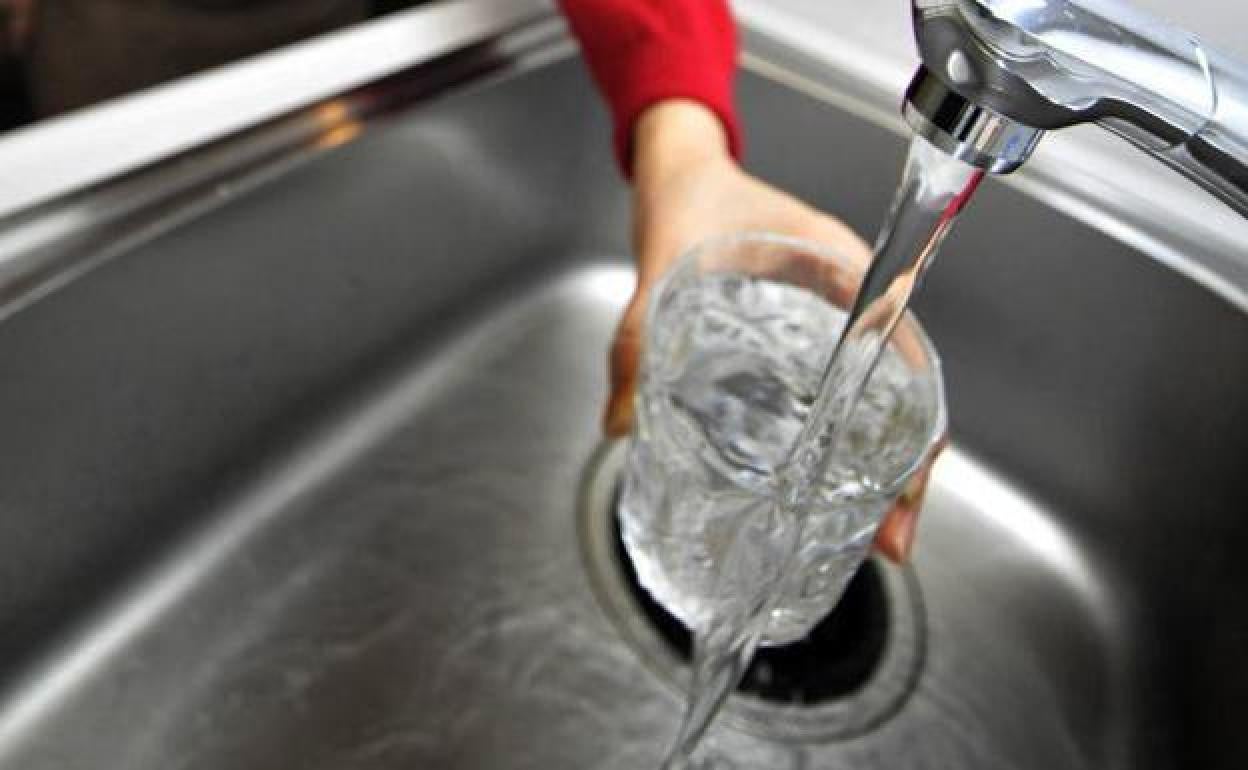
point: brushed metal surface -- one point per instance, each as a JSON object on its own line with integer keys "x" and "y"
{"x": 293, "y": 484}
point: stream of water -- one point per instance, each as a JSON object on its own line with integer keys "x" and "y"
{"x": 933, "y": 190}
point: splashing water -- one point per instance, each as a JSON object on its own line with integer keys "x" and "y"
{"x": 934, "y": 189}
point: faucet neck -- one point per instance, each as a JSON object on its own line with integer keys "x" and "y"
{"x": 996, "y": 71}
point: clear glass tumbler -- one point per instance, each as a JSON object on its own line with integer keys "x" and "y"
{"x": 737, "y": 337}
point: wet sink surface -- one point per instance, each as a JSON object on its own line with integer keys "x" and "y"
{"x": 296, "y": 484}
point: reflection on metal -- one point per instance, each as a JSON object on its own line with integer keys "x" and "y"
{"x": 339, "y": 121}
{"x": 1025, "y": 521}
{"x": 613, "y": 285}
{"x": 339, "y": 134}
{"x": 333, "y": 112}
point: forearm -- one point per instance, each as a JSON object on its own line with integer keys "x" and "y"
{"x": 673, "y": 133}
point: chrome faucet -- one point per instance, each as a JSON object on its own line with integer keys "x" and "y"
{"x": 996, "y": 74}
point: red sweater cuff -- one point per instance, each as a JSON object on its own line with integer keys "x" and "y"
{"x": 644, "y": 51}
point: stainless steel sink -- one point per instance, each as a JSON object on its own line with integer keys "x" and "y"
{"x": 293, "y": 482}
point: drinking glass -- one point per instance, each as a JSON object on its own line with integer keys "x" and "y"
{"x": 737, "y": 338}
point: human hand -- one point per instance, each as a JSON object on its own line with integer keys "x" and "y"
{"x": 687, "y": 188}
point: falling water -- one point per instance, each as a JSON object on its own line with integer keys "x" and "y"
{"x": 934, "y": 189}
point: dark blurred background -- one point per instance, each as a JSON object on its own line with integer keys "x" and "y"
{"x": 59, "y": 55}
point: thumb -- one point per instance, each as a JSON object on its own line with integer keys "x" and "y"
{"x": 625, "y": 356}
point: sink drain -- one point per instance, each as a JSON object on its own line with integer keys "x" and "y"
{"x": 851, "y": 674}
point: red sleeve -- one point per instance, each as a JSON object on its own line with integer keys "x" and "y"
{"x": 644, "y": 51}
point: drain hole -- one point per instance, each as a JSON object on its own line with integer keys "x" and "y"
{"x": 838, "y": 657}
{"x": 850, "y": 675}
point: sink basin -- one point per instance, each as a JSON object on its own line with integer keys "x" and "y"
{"x": 294, "y": 483}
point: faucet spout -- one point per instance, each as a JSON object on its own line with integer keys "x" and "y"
{"x": 996, "y": 73}
{"x": 968, "y": 131}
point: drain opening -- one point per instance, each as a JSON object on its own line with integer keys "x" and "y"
{"x": 836, "y": 659}
{"x": 850, "y": 675}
